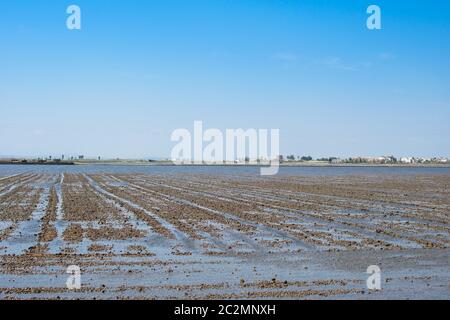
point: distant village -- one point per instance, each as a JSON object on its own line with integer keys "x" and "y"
{"x": 44, "y": 160}
{"x": 370, "y": 160}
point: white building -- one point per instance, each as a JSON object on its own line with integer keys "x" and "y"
{"x": 407, "y": 160}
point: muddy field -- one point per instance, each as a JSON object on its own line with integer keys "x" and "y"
{"x": 204, "y": 236}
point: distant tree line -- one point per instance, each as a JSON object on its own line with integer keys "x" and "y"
{"x": 308, "y": 158}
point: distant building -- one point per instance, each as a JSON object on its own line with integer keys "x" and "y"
{"x": 407, "y": 160}
{"x": 335, "y": 160}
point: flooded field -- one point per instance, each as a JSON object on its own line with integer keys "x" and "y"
{"x": 204, "y": 233}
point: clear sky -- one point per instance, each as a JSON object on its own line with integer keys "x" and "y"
{"x": 137, "y": 70}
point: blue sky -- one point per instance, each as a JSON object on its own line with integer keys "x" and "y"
{"x": 140, "y": 69}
